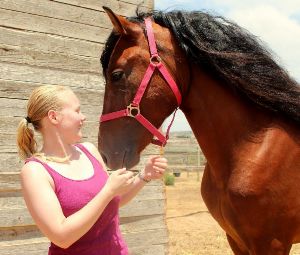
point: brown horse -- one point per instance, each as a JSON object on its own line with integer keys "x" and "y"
{"x": 243, "y": 108}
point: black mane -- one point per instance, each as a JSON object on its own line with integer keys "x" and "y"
{"x": 230, "y": 53}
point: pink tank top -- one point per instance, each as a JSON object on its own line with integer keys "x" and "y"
{"x": 104, "y": 238}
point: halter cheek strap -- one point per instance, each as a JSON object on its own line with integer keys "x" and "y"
{"x": 133, "y": 109}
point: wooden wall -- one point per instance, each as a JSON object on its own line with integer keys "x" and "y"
{"x": 60, "y": 42}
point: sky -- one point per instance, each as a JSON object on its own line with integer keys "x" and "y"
{"x": 275, "y": 22}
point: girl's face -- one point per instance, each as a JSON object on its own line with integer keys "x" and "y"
{"x": 70, "y": 118}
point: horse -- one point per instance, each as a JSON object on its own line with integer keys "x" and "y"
{"x": 242, "y": 106}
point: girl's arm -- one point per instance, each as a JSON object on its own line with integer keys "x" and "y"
{"x": 45, "y": 209}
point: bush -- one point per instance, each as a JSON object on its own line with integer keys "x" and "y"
{"x": 169, "y": 179}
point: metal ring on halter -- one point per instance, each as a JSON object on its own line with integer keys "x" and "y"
{"x": 155, "y": 60}
{"x": 133, "y": 110}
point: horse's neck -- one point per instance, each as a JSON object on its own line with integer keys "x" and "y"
{"x": 220, "y": 120}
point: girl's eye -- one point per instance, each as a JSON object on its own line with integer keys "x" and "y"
{"x": 117, "y": 75}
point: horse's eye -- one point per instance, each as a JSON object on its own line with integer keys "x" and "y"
{"x": 117, "y": 75}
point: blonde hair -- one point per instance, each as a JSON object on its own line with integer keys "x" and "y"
{"x": 41, "y": 101}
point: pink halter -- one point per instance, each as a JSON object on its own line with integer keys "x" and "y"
{"x": 133, "y": 109}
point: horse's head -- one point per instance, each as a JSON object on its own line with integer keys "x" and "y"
{"x": 122, "y": 138}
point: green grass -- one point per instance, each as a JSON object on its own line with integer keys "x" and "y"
{"x": 169, "y": 179}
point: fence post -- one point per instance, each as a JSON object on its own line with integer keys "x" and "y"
{"x": 198, "y": 163}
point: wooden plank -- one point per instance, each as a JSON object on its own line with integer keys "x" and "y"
{"x": 13, "y": 199}
{"x": 27, "y": 56}
{"x": 49, "y": 43}
{"x": 146, "y": 238}
{"x": 9, "y": 181}
{"x": 140, "y": 223}
{"x": 21, "y": 90}
{"x": 29, "y": 22}
{"x": 10, "y": 163}
{"x": 8, "y": 142}
{"x": 12, "y": 214}
{"x": 149, "y": 250}
{"x": 127, "y": 225}
{"x": 9, "y": 124}
{"x": 18, "y": 217}
{"x": 149, "y": 3}
{"x": 125, "y": 8}
{"x": 143, "y": 208}
{"x": 18, "y": 233}
{"x": 17, "y": 108}
{"x": 32, "y": 246}
{"x": 15, "y": 217}
{"x": 12, "y": 107}
{"x": 39, "y": 246}
{"x": 57, "y": 10}
{"x": 15, "y": 72}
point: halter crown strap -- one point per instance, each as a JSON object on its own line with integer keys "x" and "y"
{"x": 150, "y": 36}
{"x": 161, "y": 67}
{"x": 133, "y": 109}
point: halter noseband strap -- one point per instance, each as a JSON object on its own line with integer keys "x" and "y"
{"x": 133, "y": 109}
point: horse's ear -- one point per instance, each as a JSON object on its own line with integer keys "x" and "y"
{"x": 118, "y": 22}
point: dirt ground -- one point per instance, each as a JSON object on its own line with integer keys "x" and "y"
{"x": 192, "y": 230}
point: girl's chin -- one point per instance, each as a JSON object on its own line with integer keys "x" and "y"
{"x": 78, "y": 138}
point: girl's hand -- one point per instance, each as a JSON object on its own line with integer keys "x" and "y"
{"x": 155, "y": 168}
{"x": 119, "y": 182}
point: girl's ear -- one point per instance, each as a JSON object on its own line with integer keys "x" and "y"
{"x": 52, "y": 116}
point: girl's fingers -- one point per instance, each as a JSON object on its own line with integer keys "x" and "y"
{"x": 155, "y": 157}
{"x": 128, "y": 174}
{"x": 158, "y": 158}
{"x": 121, "y": 171}
{"x": 159, "y": 169}
{"x": 130, "y": 180}
{"x": 160, "y": 164}
{"x": 161, "y": 159}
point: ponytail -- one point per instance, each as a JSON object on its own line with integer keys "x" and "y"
{"x": 27, "y": 145}
{"x": 41, "y": 101}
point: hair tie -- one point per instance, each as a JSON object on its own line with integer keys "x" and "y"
{"x": 28, "y": 119}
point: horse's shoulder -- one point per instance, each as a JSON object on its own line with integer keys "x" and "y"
{"x": 249, "y": 181}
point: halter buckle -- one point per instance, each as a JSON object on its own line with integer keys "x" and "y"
{"x": 133, "y": 110}
{"x": 155, "y": 60}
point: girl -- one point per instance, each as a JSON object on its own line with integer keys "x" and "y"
{"x": 67, "y": 190}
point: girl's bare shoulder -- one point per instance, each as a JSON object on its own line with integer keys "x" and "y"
{"x": 33, "y": 170}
